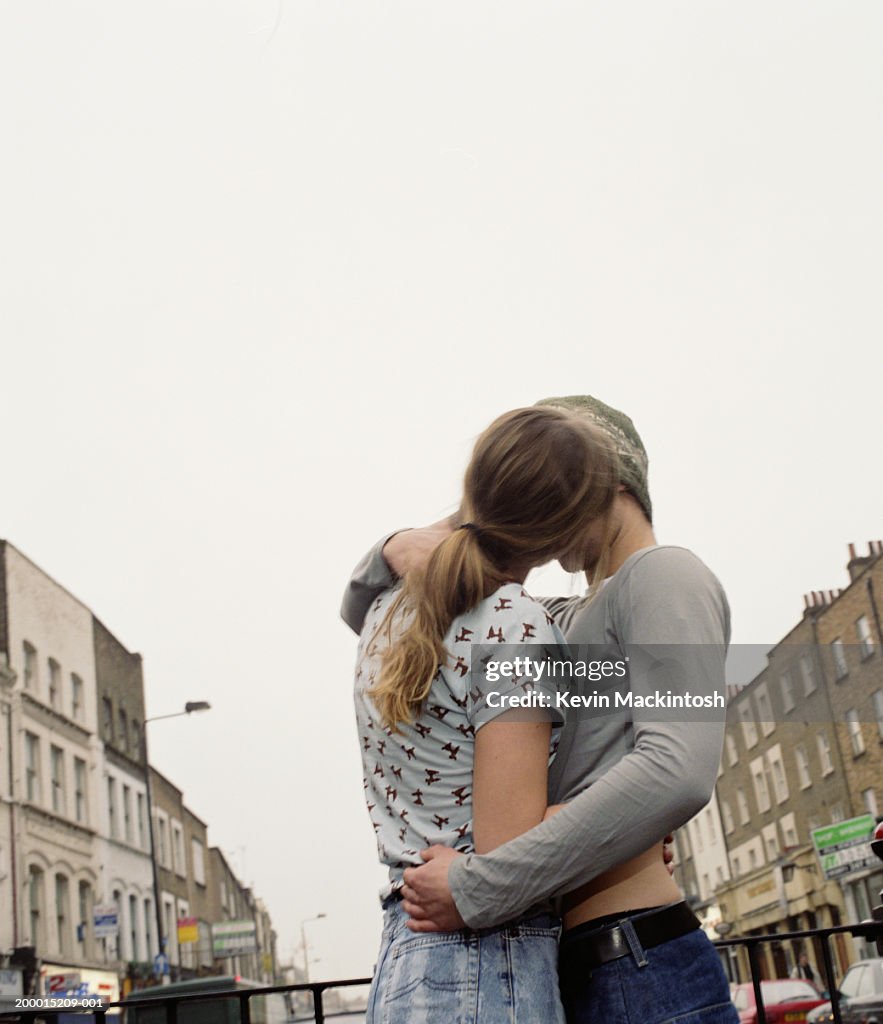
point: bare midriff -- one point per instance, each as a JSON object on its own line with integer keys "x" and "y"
{"x": 640, "y": 883}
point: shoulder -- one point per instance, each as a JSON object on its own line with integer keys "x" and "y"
{"x": 668, "y": 564}
{"x": 509, "y": 615}
{"x": 661, "y": 587}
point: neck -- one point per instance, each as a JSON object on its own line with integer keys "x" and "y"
{"x": 633, "y": 533}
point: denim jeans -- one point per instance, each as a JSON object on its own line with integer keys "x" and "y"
{"x": 505, "y": 975}
{"x": 681, "y": 982}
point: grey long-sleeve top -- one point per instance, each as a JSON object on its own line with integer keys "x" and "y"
{"x": 628, "y": 776}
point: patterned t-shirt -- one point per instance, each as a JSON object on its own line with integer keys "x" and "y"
{"x": 418, "y": 782}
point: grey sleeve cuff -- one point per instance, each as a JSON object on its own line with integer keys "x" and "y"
{"x": 370, "y": 577}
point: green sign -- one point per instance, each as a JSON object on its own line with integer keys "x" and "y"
{"x": 845, "y": 848}
{"x": 234, "y": 938}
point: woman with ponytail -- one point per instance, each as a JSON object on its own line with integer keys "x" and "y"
{"x": 442, "y": 766}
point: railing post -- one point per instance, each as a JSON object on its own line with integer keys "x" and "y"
{"x": 244, "y": 1008}
{"x": 754, "y": 964}
{"x": 318, "y": 1008}
{"x": 832, "y": 981}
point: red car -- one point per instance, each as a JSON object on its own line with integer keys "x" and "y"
{"x": 785, "y": 1001}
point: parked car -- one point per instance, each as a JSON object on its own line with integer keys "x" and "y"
{"x": 861, "y": 996}
{"x": 785, "y": 1000}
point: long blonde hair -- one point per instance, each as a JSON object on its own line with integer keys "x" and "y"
{"x": 537, "y": 478}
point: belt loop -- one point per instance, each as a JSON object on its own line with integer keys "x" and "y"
{"x": 631, "y": 937}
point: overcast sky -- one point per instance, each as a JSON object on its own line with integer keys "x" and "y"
{"x": 268, "y": 267}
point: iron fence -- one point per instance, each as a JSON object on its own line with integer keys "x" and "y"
{"x": 870, "y": 931}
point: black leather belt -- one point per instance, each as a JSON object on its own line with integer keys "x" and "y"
{"x": 587, "y": 949}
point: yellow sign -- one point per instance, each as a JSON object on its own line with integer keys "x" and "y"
{"x": 761, "y": 888}
{"x": 188, "y": 930}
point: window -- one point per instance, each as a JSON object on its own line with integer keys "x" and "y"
{"x": 825, "y": 753}
{"x": 133, "y": 925}
{"x": 62, "y": 913}
{"x": 112, "y": 807}
{"x": 752, "y": 859}
{"x": 855, "y": 732}
{"x": 30, "y": 681}
{"x": 81, "y": 807}
{"x": 141, "y": 838}
{"x": 56, "y": 760}
{"x": 841, "y": 670}
{"x": 32, "y": 767}
{"x": 742, "y": 801}
{"x": 727, "y": 815}
{"x": 179, "y": 864}
{"x": 749, "y": 730}
{"x": 771, "y": 842}
{"x": 35, "y": 906}
{"x": 761, "y": 790}
{"x": 107, "y": 719}
{"x": 863, "y": 632}
{"x": 76, "y": 697}
{"x": 787, "y": 692}
{"x": 148, "y": 928}
{"x": 698, "y": 841}
{"x": 808, "y": 671}
{"x": 118, "y": 903}
{"x": 712, "y": 831}
{"x": 878, "y": 710}
{"x": 85, "y": 923}
{"x": 837, "y": 813}
{"x": 780, "y": 782}
{"x": 764, "y": 710}
{"x": 789, "y": 830}
{"x": 732, "y": 751}
{"x": 162, "y": 830}
{"x": 870, "y": 799}
{"x": 802, "y": 760}
{"x": 171, "y": 931}
{"x": 127, "y": 815}
{"x": 54, "y": 684}
{"x": 124, "y": 730}
{"x": 737, "y": 866}
{"x": 136, "y": 739}
{"x": 196, "y": 850}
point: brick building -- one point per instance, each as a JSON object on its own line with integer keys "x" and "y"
{"x": 803, "y": 751}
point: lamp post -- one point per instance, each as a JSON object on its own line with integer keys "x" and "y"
{"x": 303, "y": 935}
{"x": 189, "y": 708}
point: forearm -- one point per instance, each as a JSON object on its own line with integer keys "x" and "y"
{"x": 369, "y": 579}
{"x": 651, "y": 792}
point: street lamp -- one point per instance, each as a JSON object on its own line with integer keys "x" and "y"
{"x": 303, "y": 935}
{"x": 189, "y": 708}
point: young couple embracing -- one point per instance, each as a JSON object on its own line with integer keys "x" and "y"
{"x": 527, "y": 881}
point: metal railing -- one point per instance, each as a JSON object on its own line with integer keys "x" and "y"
{"x": 171, "y": 1003}
{"x": 870, "y": 931}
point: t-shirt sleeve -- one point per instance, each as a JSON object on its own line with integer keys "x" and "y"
{"x": 515, "y": 641}
{"x": 666, "y": 778}
{"x": 369, "y": 579}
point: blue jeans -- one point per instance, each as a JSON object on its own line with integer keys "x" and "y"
{"x": 682, "y": 982}
{"x": 506, "y": 975}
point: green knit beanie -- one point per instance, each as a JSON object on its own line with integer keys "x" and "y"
{"x": 626, "y": 440}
